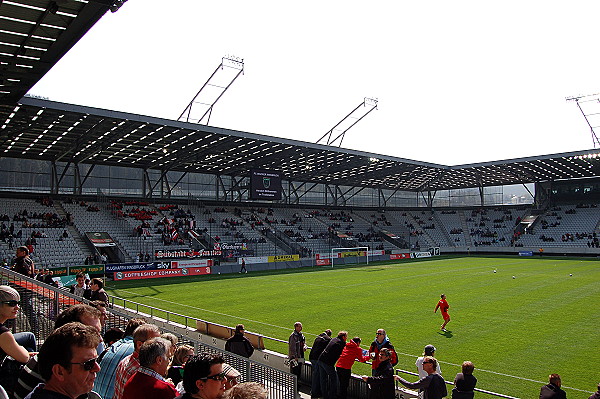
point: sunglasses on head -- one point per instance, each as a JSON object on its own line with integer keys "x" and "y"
{"x": 216, "y": 377}
{"x": 12, "y": 303}
{"x": 88, "y": 364}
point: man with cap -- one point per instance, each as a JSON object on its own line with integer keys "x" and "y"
{"x": 428, "y": 351}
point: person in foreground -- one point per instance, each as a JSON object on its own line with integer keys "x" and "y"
{"x": 596, "y": 395}
{"x": 67, "y": 362}
{"x": 464, "y": 383}
{"x": 552, "y": 389}
{"x": 432, "y": 386}
{"x": 203, "y": 377}
{"x": 382, "y": 381}
{"x": 247, "y": 390}
{"x": 149, "y": 379}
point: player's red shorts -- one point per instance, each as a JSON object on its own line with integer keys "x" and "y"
{"x": 445, "y": 315}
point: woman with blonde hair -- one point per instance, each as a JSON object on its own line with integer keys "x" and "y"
{"x": 181, "y": 356}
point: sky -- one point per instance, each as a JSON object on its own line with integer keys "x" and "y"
{"x": 457, "y": 82}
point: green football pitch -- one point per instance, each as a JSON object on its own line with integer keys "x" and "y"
{"x": 515, "y": 330}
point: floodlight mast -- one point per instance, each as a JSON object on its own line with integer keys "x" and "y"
{"x": 591, "y": 101}
{"x": 369, "y": 104}
{"x": 222, "y": 78}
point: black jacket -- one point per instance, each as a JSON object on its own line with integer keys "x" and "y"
{"x": 239, "y": 345}
{"x": 551, "y": 391}
{"x": 332, "y": 351}
{"x": 319, "y": 346}
{"x": 382, "y": 383}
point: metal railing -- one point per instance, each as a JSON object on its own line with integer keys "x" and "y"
{"x": 41, "y": 303}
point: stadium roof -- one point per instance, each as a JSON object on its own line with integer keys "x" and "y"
{"x": 35, "y": 34}
{"x": 52, "y": 131}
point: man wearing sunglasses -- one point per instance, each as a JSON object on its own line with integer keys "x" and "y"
{"x": 430, "y": 387}
{"x": 203, "y": 377}
{"x": 68, "y": 362}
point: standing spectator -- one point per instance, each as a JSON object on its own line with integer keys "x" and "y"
{"x": 105, "y": 380}
{"x": 596, "y": 395}
{"x": 327, "y": 360}
{"x": 247, "y": 390}
{"x": 98, "y": 293}
{"x": 381, "y": 341}
{"x": 80, "y": 288}
{"x": 552, "y": 390}
{"x": 428, "y": 351}
{"x": 203, "y": 377}
{"x": 67, "y": 362}
{"x": 239, "y": 344}
{"x": 23, "y": 263}
{"x": 243, "y": 268}
{"x": 130, "y": 365}
{"x": 182, "y": 354}
{"x": 433, "y": 386}
{"x": 382, "y": 381}
{"x": 352, "y": 352}
{"x": 148, "y": 381}
{"x": 464, "y": 383}
{"x": 443, "y": 306}
{"x": 296, "y": 348}
{"x": 318, "y": 347}
{"x": 111, "y": 336}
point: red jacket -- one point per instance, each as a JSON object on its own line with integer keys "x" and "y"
{"x": 352, "y": 351}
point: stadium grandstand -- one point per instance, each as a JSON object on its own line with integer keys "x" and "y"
{"x": 87, "y": 186}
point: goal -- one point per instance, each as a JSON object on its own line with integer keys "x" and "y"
{"x": 346, "y": 256}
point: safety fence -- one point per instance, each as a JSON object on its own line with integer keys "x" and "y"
{"x": 41, "y": 303}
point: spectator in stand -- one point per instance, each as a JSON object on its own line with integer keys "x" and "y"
{"x": 433, "y": 386}
{"x": 23, "y": 263}
{"x": 80, "y": 289}
{"x": 381, "y": 341}
{"x": 428, "y": 351}
{"x": 318, "y": 347}
{"x": 382, "y": 382}
{"x": 105, "y": 380}
{"x": 239, "y": 344}
{"x": 203, "y": 377}
{"x": 101, "y": 306}
{"x": 67, "y": 362}
{"x": 30, "y": 376}
{"x": 327, "y": 361}
{"x": 182, "y": 354}
{"x": 98, "y": 293}
{"x": 552, "y": 390}
{"x": 173, "y": 340}
{"x": 464, "y": 383}
{"x": 149, "y": 379}
{"x": 130, "y": 364}
{"x": 352, "y": 352}
{"x": 247, "y": 390}
{"x": 18, "y": 346}
{"x": 596, "y": 395}
{"x": 111, "y": 336}
{"x": 296, "y": 348}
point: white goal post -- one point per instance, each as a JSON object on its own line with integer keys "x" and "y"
{"x": 357, "y": 254}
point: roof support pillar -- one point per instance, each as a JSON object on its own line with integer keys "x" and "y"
{"x": 53, "y": 179}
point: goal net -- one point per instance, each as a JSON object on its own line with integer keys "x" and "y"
{"x": 349, "y": 256}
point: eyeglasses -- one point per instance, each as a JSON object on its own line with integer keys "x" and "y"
{"x": 12, "y": 303}
{"x": 379, "y": 334}
{"x": 88, "y": 364}
{"x": 427, "y": 362}
{"x": 216, "y": 377}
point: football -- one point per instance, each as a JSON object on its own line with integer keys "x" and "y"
{"x": 514, "y": 277}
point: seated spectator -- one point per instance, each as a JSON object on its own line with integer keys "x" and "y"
{"x": 464, "y": 382}
{"x": 30, "y": 375}
{"x": 111, "y": 336}
{"x": 239, "y": 344}
{"x": 148, "y": 380}
{"x": 130, "y": 364}
{"x": 98, "y": 293}
{"x": 80, "y": 289}
{"x": 181, "y": 356}
{"x": 67, "y": 362}
{"x": 552, "y": 389}
{"x": 18, "y": 346}
{"x": 247, "y": 390}
{"x": 105, "y": 380}
{"x": 203, "y": 377}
